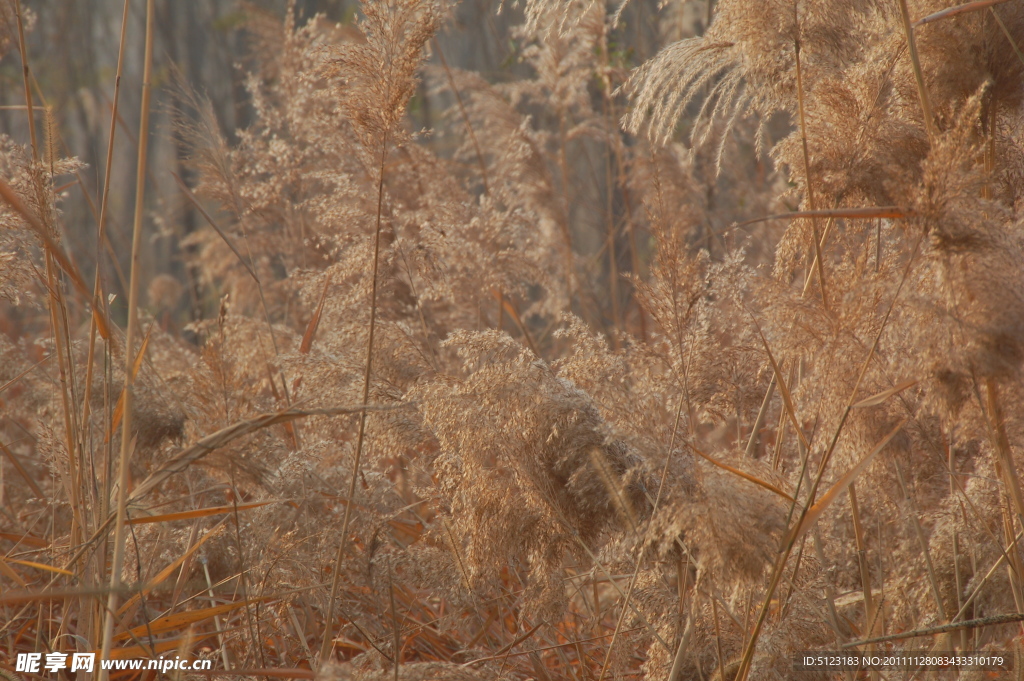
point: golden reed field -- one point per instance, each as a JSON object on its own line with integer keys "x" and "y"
{"x": 551, "y": 339}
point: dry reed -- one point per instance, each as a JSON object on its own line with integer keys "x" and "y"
{"x": 665, "y": 369}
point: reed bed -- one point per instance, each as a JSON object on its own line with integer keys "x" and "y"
{"x": 658, "y": 367}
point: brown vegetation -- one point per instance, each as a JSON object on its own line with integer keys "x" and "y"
{"x": 660, "y": 370}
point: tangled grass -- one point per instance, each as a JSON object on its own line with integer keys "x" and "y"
{"x": 665, "y": 372}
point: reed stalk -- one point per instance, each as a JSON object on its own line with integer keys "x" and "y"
{"x": 127, "y": 437}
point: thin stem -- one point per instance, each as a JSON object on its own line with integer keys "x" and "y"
{"x": 783, "y": 558}
{"x": 922, "y": 92}
{"x": 465, "y": 117}
{"x": 807, "y": 176}
{"x": 26, "y": 78}
{"x": 1004, "y": 464}
{"x": 129, "y": 355}
{"x": 325, "y": 647}
{"x": 1006, "y": 32}
{"x": 395, "y": 630}
{"x": 865, "y": 574}
{"x": 759, "y": 421}
{"x": 647, "y": 534}
{"x": 919, "y": 532}
{"x": 97, "y": 293}
{"x": 718, "y": 640}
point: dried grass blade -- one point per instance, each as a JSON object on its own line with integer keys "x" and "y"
{"x": 169, "y": 570}
{"x": 15, "y": 597}
{"x": 1006, "y": 32}
{"x": 959, "y": 9}
{"x": 746, "y": 476}
{"x": 42, "y": 566}
{"x": 881, "y": 397}
{"x": 508, "y": 648}
{"x": 198, "y": 513}
{"x": 849, "y": 213}
{"x": 202, "y": 211}
{"x": 922, "y": 90}
{"x": 557, "y": 646}
{"x": 18, "y": 466}
{"x": 214, "y": 441}
{"x": 183, "y": 619}
{"x": 24, "y": 373}
{"x": 25, "y": 539}
{"x": 314, "y": 322}
{"x": 787, "y": 397}
{"x": 955, "y": 626}
{"x": 507, "y": 306}
{"x": 815, "y": 511}
{"x": 759, "y": 421}
{"x": 9, "y": 572}
{"x": 160, "y": 647}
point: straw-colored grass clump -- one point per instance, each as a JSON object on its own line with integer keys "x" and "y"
{"x": 662, "y": 369}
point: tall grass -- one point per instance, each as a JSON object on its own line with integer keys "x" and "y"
{"x": 625, "y": 367}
